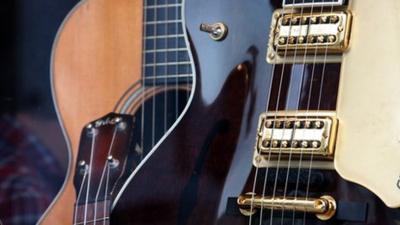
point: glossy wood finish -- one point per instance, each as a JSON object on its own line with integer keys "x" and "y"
{"x": 208, "y": 157}
{"x": 190, "y": 168}
{"x": 97, "y": 175}
{"x": 95, "y": 60}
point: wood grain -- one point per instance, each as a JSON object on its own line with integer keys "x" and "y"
{"x": 207, "y": 158}
{"x": 96, "y": 57}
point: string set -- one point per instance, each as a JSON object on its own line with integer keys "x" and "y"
{"x": 285, "y": 115}
{"x": 318, "y": 108}
{"x": 146, "y": 84}
{"x": 106, "y": 167}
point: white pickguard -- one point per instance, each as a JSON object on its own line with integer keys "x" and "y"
{"x": 368, "y": 145}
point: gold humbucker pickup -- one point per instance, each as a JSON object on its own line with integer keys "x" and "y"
{"x": 291, "y": 134}
{"x": 296, "y": 37}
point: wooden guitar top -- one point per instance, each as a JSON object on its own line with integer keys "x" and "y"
{"x": 96, "y": 57}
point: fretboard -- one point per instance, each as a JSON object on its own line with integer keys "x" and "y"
{"x": 165, "y": 53}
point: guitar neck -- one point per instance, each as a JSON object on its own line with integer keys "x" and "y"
{"x": 165, "y": 52}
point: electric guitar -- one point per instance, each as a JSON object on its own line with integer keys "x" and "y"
{"x": 122, "y": 76}
{"x": 315, "y": 84}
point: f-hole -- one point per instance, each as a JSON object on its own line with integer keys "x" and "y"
{"x": 398, "y": 183}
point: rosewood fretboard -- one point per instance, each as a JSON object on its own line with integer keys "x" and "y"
{"x": 165, "y": 52}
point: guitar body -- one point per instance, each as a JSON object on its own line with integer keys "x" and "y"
{"x": 208, "y": 159}
{"x": 95, "y": 60}
{"x": 183, "y": 180}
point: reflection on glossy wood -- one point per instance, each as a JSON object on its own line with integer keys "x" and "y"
{"x": 207, "y": 158}
{"x": 95, "y": 61}
{"x": 191, "y": 166}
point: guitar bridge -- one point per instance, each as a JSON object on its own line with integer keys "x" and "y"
{"x": 285, "y": 134}
{"x": 324, "y": 207}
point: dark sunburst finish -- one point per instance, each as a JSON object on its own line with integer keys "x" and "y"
{"x": 207, "y": 159}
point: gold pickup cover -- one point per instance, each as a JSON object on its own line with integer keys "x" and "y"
{"x": 294, "y": 36}
{"x": 290, "y": 133}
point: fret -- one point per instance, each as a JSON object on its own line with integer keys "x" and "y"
{"x": 168, "y": 63}
{"x": 163, "y": 6}
{"x": 164, "y": 22}
{"x": 166, "y": 57}
{"x": 162, "y": 57}
{"x": 163, "y": 29}
{"x": 168, "y": 76}
{"x": 161, "y": 2}
{"x": 165, "y": 50}
{"x": 165, "y": 36}
{"x": 165, "y": 43}
{"x": 162, "y": 14}
{"x": 170, "y": 80}
{"x": 165, "y": 70}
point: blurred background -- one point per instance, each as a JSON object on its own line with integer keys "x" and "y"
{"x": 33, "y": 153}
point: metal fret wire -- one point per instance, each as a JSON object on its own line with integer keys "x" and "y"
{"x": 181, "y": 68}
{"x": 155, "y": 37}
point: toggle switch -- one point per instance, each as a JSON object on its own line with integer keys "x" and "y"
{"x": 217, "y": 31}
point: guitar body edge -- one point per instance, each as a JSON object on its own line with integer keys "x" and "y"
{"x": 94, "y": 61}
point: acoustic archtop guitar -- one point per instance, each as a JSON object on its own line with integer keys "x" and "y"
{"x": 122, "y": 76}
{"x": 294, "y": 120}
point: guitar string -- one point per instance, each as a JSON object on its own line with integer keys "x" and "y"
{"x": 155, "y": 58}
{"x": 318, "y": 108}
{"x": 309, "y": 101}
{"x": 298, "y": 96}
{"x": 297, "y": 110}
{"x": 266, "y": 111}
{"x": 79, "y": 196}
{"x": 105, "y": 193}
{"x": 93, "y": 130}
{"x": 166, "y": 39}
{"x": 308, "y": 104}
{"x": 256, "y": 173}
{"x": 188, "y": 69}
{"x": 176, "y": 60}
{"x": 279, "y": 161}
{"x": 123, "y": 169}
{"x": 155, "y": 64}
{"x": 102, "y": 175}
{"x": 144, "y": 60}
{"x": 142, "y": 116}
